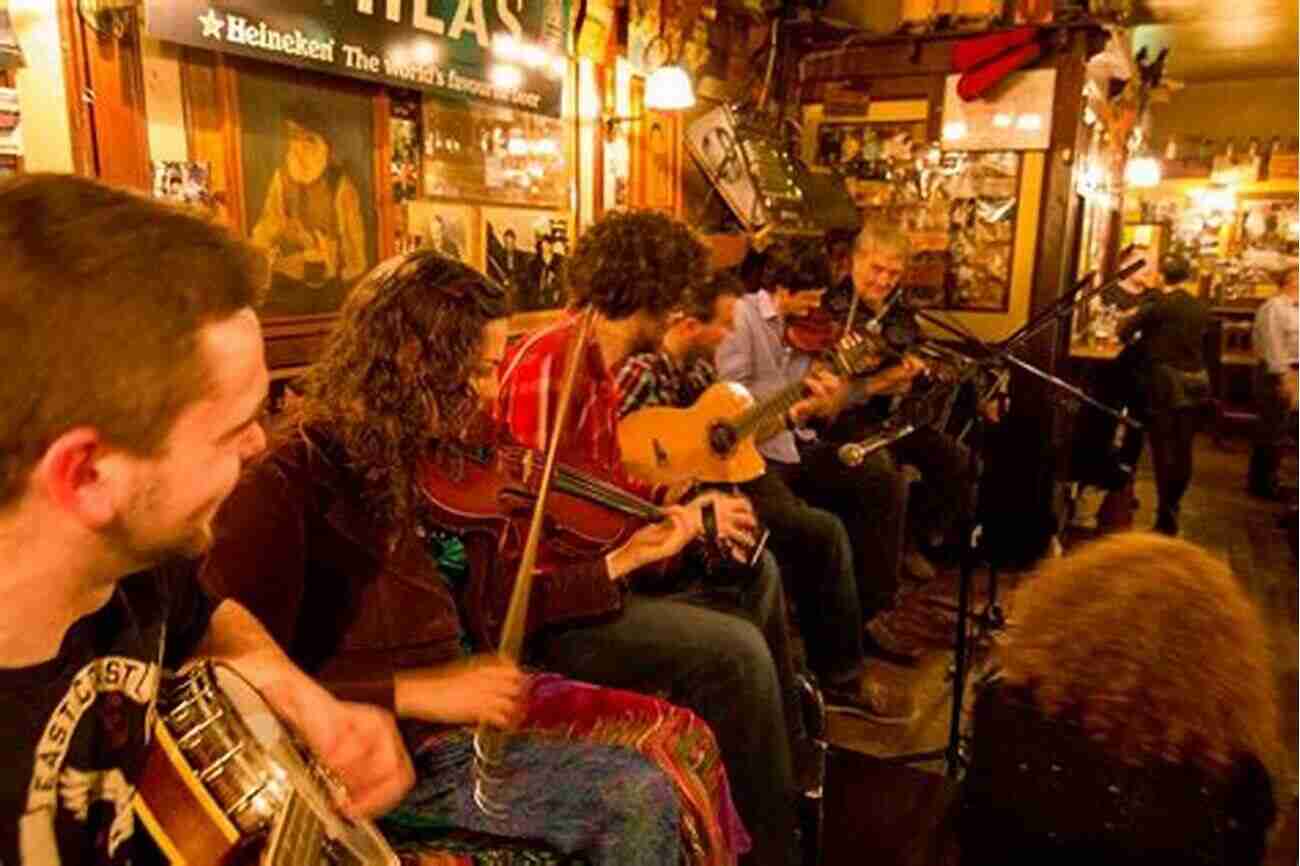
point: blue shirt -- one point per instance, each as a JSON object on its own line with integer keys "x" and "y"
{"x": 757, "y": 356}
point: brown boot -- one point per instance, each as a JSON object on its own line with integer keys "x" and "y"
{"x": 882, "y": 639}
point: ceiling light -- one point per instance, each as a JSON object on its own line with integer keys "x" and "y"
{"x": 669, "y": 89}
{"x": 505, "y": 45}
{"x": 506, "y": 76}
{"x": 1141, "y": 172}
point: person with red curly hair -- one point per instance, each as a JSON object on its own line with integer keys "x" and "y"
{"x": 1133, "y": 720}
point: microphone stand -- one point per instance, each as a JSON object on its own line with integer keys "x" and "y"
{"x": 992, "y": 619}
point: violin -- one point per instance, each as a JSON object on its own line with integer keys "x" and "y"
{"x": 494, "y": 486}
{"x": 485, "y": 492}
{"x": 814, "y": 332}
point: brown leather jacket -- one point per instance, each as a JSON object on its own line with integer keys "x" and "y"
{"x": 296, "y": 545}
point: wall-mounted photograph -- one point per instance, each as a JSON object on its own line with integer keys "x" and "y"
{"x": 495, "y": 154}
{"x": 525, "y": 250}
{"x": 308, "y": 163}
{"x": 447, "y": 228}
{"x": 186, "y": 183}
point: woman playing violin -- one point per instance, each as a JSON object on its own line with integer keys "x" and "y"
{"x": 327, "y": 540}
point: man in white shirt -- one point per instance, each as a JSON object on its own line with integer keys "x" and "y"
{"x": 1274, "y": 339}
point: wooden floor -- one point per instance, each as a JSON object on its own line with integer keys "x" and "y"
{"x": 885, "y": 813}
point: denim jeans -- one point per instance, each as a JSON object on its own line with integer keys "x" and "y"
{"x": 817, "y": 558}
{"x": 706, "y": 650}
{"x": 871, "y": 500}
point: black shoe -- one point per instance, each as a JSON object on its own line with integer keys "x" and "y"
{"x": 1167, "y": 523}
{"x": 1269, "y": 492}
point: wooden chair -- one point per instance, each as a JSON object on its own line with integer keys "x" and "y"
{"x": 1221, "y": 416}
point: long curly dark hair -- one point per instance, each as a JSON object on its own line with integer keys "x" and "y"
{"x": 635, "y": 260}
{"x": 396, "y": 372}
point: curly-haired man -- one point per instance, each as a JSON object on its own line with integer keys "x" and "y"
{"x": 633, "y": 270}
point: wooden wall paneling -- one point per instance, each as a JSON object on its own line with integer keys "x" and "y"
{"x": 209, "y": 97}
{"x": 637, "y": 171}
{"x": 1058, "y": 221}
{"x": 601, "y": 74}
{"x": 386, "y": 223}
{"x": 74, "y": 79}
{"x": 115, "y": 75}
{"x": 1037, "y": 426}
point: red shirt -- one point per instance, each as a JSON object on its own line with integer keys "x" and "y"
{"x": 532, "y": 374}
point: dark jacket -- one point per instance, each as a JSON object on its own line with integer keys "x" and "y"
{"x": 1171, "y": 326}
{"x": 1040, "y": 789}
{"x": 297, "y": 546}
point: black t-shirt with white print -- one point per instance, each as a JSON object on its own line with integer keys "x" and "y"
{"x": 74, "y": 729}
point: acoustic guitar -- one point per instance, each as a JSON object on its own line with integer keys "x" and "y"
{"x": 716, "y": 440}
{"x": 226, "y": 782}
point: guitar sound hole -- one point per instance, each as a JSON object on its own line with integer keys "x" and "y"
{"x": 722, "y": 438}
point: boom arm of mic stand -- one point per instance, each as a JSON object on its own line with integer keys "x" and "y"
{"x": 1073, "y": 391}
{"x": 1002, "y": 354}
{"x": 1067, "y": 301}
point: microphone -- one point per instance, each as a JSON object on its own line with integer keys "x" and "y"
{"x": 854, "y": 453}
{"x": 874, "y": 324}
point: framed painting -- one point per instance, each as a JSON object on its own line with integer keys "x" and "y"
{"x": 525, "y": 251}
{"x": 307, "y": 163}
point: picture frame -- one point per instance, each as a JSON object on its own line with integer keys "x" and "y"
{"x": 524, "y": 249}
{"x": 494, "y": 155}
{"x": 448, "y": 227}
{"x": 309, "y": 187}
{"x": 210, "y": 89}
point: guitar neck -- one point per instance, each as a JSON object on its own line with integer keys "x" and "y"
{"x": 844, "y": 362}
{"x": 767, "y": 410}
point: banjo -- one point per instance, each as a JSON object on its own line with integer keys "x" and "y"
{"x": 225, "y": 781}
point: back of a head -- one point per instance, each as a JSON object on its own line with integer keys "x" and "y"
{"x": 629, "y": 261}
{"x": 1175, "y": 269}
{"x": 100, "y": 309}
{"x": 1152, "y": 642}
{"x": 797, "y": 265}
{"x": 701, "y": 300}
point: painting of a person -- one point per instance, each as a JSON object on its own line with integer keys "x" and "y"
{"x": 311, "y": 221}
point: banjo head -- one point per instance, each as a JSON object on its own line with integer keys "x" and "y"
{"x": 258, "y": 773}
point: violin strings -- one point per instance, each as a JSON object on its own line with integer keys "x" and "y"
{"x": 580, "y": 484}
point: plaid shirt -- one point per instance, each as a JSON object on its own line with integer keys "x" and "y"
{"x": 531, "y": 378}
{"x": 656, "y": 379}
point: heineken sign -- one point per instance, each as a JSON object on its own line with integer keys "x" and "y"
{"x": 509, "y": 52}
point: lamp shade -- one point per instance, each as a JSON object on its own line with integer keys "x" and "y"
{"x": 669, "y": 89}
{"x": 1142, "y": 171}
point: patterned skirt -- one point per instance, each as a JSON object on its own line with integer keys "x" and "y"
{"x": 593, "y": 775}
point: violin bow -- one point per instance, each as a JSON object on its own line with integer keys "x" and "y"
{"x": 489, "y": 742}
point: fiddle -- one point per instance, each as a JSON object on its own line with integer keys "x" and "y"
{"x": 814, "y": 332}
{"x": 486, "y": 492}
{"x": 493, "y": 486}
